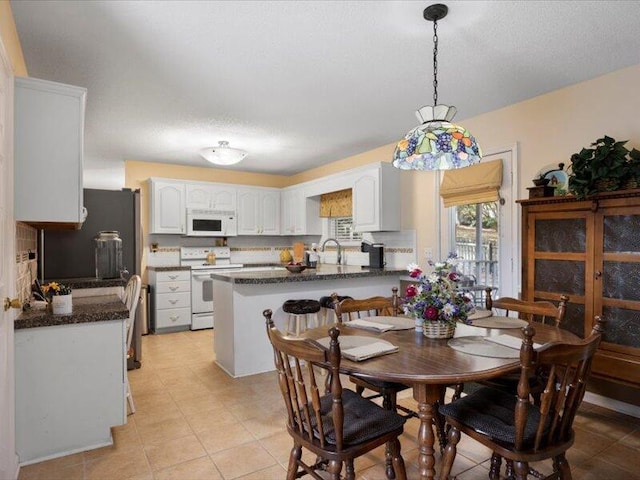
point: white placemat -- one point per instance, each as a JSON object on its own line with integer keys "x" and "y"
{"x": 358, "y": 348}
{"x": 480, "y": 347}
{"x": 480, "y": 313}
{"x": 499, "y": 322}
{"x": 369, "y": 325}
{"x": 509, "y": 341}
{"x": 396, "y": 323}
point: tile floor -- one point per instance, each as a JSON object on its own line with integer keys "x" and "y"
{"x": 194, "y": 422}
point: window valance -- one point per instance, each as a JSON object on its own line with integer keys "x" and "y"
{"x": 336, "y": 204}
{"x": 475, "y": 184}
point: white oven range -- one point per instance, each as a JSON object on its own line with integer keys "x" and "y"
{"x": 201, "y": 283}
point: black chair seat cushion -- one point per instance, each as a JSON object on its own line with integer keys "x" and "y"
{"x": 327, "y": 302}
{"x": 301, "y": 307}
{"x": 381, "y": 384}
{"x": 491, "y": 412}
{"x": 363, "y": 419}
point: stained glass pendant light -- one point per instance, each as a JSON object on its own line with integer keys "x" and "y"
{"x": 436, "y": 144}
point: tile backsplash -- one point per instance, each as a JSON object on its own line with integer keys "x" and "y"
{"x": 26, "y": 268}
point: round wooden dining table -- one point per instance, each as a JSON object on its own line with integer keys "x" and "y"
{"x": 429, "y": 366}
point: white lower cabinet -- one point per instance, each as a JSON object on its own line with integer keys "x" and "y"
{"x": 70, "y": 388}
{"x": 171, "y": 300}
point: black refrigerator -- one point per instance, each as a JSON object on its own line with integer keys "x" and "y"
{"x": 71, "y": 253}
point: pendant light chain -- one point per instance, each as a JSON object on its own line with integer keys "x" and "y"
{"x": 435, "y": 62}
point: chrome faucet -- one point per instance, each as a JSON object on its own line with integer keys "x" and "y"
{"x": 339, "y": 248}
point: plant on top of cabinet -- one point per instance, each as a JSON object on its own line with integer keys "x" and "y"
{"x": 605, "y": 167}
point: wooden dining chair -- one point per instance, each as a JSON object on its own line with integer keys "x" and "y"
{"x": 513, "y": 426}
{"x": 337, "y": 426}
{"x": 130, "y": 298}
{"x": 537, "y": 311}
{"x": 351, "y": 309}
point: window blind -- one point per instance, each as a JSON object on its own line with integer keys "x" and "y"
{"x": 475, "y": 184}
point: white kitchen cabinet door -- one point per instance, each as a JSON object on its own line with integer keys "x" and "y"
{"x": 300, "y": 215}
{"x": 167, "y": 207}
{"x": 270, "y": 206}
{"x": 258, "y": 211}
{"x": 49, "y": 142}
{"x": 199, "y": 196}
{"x": 288, "y": 212}
{"x": 211, "y": 197}
{"x": 376, "y": 200}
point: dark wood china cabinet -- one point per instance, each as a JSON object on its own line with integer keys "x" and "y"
{"x": 590, "y": 251}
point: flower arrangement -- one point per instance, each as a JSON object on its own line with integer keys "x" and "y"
{"x": 52, "y": 289}
{"x": 435, "y": 297}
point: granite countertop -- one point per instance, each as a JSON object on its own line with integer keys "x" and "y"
{"x": 323, "y": 272}
{"x": 85, "y": 310}
{"x": 89, "y": 282}
{"x": 169, "y": 269}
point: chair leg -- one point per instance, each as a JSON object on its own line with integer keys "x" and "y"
{"x": 132, "y": 407}
{"x": 561, "y": 466}
{"x": 294, "y": 457}
{"x": 449, "y": 453}
{"x": 508, "y": 470}
{"x": 457, "y": 392}
{"x": 359, "y": 390}
{"x": 494, "y": 471}
{"x": 350, "y": 474}
{"x": 398, "y": 461}
{"x": 521, "y": 470}
{"x": 388, "y": 461}
{"x": 334, "y": 468}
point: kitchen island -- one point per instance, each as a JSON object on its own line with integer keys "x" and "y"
{"x": 70, "y": 378}
{"x": 240, "y": 340}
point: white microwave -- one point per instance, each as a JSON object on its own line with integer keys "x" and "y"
{"x": 211, "y": 223}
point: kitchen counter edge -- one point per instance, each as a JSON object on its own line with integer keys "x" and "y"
{"x": 100, "y": 308}
{"x": 309, "y": 275}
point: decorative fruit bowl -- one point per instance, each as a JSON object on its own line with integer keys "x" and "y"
{"x": 295, "y": 268}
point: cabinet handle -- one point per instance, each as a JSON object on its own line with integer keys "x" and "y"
{"x": 598, "y": 274}
{"x": 173, "y": 277}
{"x": 173, "y": 289}
{"x": 173, "y": 302}
{"x": 173, "y": 318}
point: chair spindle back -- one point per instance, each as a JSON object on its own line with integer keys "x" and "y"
{"x": 350, "y": 309}
{"x": 538, "y": 311}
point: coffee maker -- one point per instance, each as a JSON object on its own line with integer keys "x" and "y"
{"x": 376, "y": 254}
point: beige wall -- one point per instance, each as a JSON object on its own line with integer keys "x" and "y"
{"x": 547, "y": 130}
{"x": 10, "y": 39}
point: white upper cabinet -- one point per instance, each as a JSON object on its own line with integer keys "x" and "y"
{"x": 300, "y": 215}
{"x": 49, "y": 142}
{"x": 211, "y": 197}
{"x": 258, "y": 211}
{"x": 167, "y": 206}
{"x": 376, "y": 199}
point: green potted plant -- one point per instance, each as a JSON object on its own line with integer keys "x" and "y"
{"x": 632, "y": 178}
{"x": 604, "y": 167}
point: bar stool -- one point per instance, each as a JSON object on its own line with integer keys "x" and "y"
{"x": 297, "y": 311}
{"x": 326, "y": 306}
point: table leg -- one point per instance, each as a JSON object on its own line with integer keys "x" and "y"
{"x": 426, "y": 396}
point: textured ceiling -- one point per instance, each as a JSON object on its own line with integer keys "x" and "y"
{"x": 300, "y": 84}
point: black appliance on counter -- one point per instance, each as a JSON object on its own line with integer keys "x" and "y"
{"x": 376, "y": 254}
{"x": 72, "y": 253}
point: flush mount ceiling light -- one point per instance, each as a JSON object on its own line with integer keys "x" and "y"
{"x": 223, "y": 154}
{"x": 436, "y": 144}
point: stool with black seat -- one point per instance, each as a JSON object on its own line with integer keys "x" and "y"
{"x": 326, "y": 307}
{"x": 297, "y": 315}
